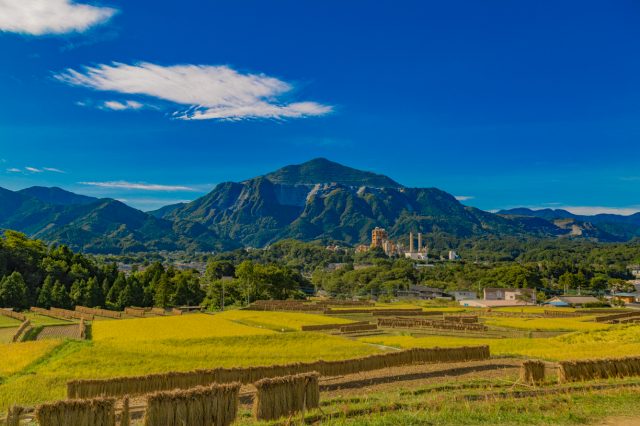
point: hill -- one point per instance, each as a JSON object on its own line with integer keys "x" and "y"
{"x": 606, "y": 226}
{"x": 98, "y": 226}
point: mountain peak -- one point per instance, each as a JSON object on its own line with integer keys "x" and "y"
{"x": 322, "y": 170}
{"x": 56, "y": 196}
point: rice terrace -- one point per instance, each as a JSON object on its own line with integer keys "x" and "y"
{"x": 315, "y": 362}
{"x": 319, "y": 212}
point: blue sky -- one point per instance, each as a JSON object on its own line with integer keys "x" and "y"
{"x": 527, "y": 103}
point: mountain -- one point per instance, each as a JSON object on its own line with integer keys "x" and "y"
{"x": 323, "y": 200}
{"x": 321, "y": 170}
{"x": 56, "y": 196}
{"x": 317, "y": 200}
{"x": 99, "y": 225}
{"x": 610, "y": 227}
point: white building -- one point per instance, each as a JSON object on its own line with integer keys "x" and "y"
{"x": 453, "y": 255}
{"x": 464, "y": 295}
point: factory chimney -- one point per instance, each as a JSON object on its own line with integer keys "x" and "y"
{"x": 419, "y": 242}
{"x": 410, "y": 242}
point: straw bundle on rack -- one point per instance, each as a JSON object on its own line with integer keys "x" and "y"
{"x": 215, "y": 405}
{"x": 283, "y": 396}
{"x": 330, "y": 326}
{"x": 21, "y": 331}
{"x": 120, "y": 386}
{"x": 12, "y": 314}
{"x": 134, "y": 312}
{"x": 125, "y": 415}
{"x": 13, "y": 415}
{"x": 350, "y": 328}
{"x": 574, "y": 371}
{"x": 532, "y": 372}
{"x": 99, "y": 312}
{"x": 84, "y": 412}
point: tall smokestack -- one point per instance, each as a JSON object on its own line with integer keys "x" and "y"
{"x": 410, "y": 242}
{"x": 419, "y": 242}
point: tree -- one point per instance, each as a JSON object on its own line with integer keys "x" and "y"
{"x": 13, "y": 292}
{"x": 60, "y": 297}
{"x": 45, "y": 295}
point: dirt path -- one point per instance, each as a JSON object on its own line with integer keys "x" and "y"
{"x": 619, "y": 421}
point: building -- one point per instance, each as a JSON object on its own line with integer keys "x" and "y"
{"x": 635, "y": 270}
{"x": 626, "y": 298}
{"x": 453, "y": 255}
{"x": 510, "y": 294}
{"x": 422, "y": 252}
{"x": 573, "y": 301}
{"x": 480, "y": 303}
{"x": 378, "y": 237}
{"x": 362, "y": 248}
{"x": 464, "y": 295}
{"x": 422, "y": 292}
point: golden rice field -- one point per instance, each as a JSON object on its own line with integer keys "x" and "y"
{"x": 16, "y": 356}
{"x": 196, "y": 326}
{"x": 615, "y": 342}
{"x": 547, "y": 324}
{"x": 283, "y": 321}
{"x": 180, "y": 343}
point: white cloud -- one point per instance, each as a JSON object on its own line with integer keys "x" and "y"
{"x": 33, "y": 169}
{"x": 122, "y": 106}
{"x": 593, "y": 210}
{"x": 53, "y": 170}
{"x": 464, "y": 197}
{"x": 39, "y": 17}
{"x": 14, "y": 170}
{"x": 138, "y": 185}
{"x": 208, "y": 92}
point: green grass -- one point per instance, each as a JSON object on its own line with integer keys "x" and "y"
{"x": 37, "y": 319}
{"x": 8, "y": 322}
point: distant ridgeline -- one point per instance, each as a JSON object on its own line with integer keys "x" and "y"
{"x": 315, "y": 201}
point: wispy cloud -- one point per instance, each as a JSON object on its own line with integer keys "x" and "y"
{"x": 206, "y": 92}
{"x": 40, "y": 17}
{"x": 53, "y": 170}
{"x": 122, "y": 106}
{"x": 138, "y": 186}
{"x": 464, "y": 197}
{"x": 31, "y": 169}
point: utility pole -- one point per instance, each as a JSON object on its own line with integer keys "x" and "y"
{"x": 223, "y": 295}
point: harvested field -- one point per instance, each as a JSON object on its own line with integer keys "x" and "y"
{"x": 74, "y": 331}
